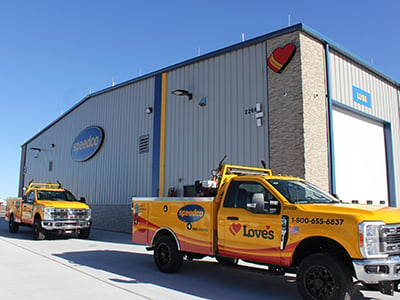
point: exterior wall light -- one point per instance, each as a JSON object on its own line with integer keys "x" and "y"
{"x": 149, "y": 110}
{"x": 182, "y": 93}
{"x": 203, "y": 102}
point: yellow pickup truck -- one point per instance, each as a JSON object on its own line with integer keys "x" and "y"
{"x": 47, "y": 208}
{"x": 282, "y": 222}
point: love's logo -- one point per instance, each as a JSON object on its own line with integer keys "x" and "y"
{"x": 280, "y": 58}
{"x": 235, "y": 228}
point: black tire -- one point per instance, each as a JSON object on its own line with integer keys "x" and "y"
{"x": 38, "y": 232}
{"x": 166, "y": 255}
{"x": 84, "y": 233}
{"x": 13, "y": 227}
{"x": 227, "y": 261}
{"x": 322, "y": 276}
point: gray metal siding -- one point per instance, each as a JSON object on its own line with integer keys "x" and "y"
{"x": 117, "y": 171}
{"x": 198, "y": 137}
{"x": 384, "y": 99}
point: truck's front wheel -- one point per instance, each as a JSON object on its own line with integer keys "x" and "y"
{"x": 322, "y": 276}
{"x": 167, "y": 256}
{"x": 38, "y": 232}
{"x": 12, "y": 225}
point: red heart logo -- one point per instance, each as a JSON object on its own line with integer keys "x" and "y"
{"x": 235, "y": 228}
{"x": 279, "y": 59}
{"x": 267, "y": 227}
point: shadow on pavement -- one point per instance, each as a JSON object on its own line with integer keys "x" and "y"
{"x": 192, "y": 279}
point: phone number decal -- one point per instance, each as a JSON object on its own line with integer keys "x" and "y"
{"x": 318, "y": 221}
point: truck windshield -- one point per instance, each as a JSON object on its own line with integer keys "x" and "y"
{"x": 298, "y": 191}
{"x": 55, "y": 195}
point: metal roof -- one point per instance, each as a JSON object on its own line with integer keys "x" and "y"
{"x": 298, "y": 27}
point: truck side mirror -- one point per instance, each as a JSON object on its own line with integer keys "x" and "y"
{"x": 83, "y": 200}
{"x": 257, "y": 202}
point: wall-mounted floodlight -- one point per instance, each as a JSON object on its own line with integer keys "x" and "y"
{"x": 52, "y": 146}
{"x": 36, "y": 149}
{"x": 182, "y": 93}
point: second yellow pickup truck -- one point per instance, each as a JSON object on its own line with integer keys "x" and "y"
{"x": 283, "y": 222}
{"x": 47, "y": 208}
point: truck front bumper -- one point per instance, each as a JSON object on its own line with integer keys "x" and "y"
{"x": 377, "y": 270}
{"x": 66, "y": 224}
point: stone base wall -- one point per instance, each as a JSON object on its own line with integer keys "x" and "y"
{"x": 112, "y": 217}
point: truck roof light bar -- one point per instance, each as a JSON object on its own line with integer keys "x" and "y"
{"x": 240, "y": 170}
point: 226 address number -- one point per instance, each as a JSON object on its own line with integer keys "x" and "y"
{"x": 318, "y": 221}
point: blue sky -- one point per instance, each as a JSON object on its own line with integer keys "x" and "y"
{"x": 54, "y": 53}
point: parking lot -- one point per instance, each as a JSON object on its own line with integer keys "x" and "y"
{"x": 109, "y": 266}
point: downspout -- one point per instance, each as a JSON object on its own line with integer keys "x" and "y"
{"x": 331, "y": 146}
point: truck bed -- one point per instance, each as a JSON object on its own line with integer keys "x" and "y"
{"x": 190, "y": 219}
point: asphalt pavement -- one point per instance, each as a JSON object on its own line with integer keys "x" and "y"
{"x": 108, "y": 265}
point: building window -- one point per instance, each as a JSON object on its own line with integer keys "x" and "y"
{"x": 144, "y": 144}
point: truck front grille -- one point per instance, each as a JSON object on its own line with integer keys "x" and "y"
{"x": 390, "y": 239}
{"x": 70, "y": 214}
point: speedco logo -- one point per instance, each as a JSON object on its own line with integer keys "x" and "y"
{"x": 87, "y": 143}
{"x": 191, "y": 213}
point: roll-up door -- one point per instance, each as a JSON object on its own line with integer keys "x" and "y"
{"x": 359, "y": 158}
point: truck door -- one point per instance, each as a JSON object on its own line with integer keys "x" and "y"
{"x": 249, "y": 222}
{"x": 27, "y": 208}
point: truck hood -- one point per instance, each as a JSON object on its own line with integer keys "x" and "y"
{"x": 362, "y": 212}
{"x": 63, "y": 204}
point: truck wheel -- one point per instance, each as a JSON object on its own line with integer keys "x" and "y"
{"x": 322, "y": 276}
{"x": 84, "y": 233}
{"x": 38, "y": 232}
{"x": 166, "y": 255}
{"x": 12, "y": 225}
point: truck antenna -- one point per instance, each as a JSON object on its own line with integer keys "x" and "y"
{"x": 263, "y": 164}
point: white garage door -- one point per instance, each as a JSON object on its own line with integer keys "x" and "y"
{"x": 360, "y": 159}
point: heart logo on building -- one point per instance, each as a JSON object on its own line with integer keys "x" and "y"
{"x": 235, "y": 228}
{"x": 280, "y": 58}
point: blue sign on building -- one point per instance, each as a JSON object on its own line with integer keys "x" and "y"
{"x": 87, "y": 143}
{"x": 362, "y": 97}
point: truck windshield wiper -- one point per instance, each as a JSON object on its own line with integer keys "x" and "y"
{"x": 316, "y": 201}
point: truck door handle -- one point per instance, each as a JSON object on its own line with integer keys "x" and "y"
{"x": 232, "y": 218}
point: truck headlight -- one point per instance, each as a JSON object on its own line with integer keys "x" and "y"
{"x": 369, "y": 236}
{"x": 48, "y": 213}
{"x": 89, "y": 214}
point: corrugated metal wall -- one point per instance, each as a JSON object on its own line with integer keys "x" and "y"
{"x": 117, "y": 171}
{"x": 198, "y": 137}
{"x": 384, "y": 99}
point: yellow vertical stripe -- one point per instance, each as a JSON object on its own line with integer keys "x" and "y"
{"x": 162, "y": 134}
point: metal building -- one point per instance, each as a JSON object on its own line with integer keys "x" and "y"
{"x": 291, "y": 98}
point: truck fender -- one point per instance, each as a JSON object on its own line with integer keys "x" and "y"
{"x": 11, "y": 212}
{"x": 319, "y": 244}
{"x": 165, "y": 231}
